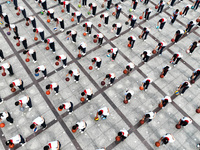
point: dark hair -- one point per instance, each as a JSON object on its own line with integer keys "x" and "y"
{"x": 128, "y": 67}
{"x": 90, "y": 4}
{"x": 55, "y": 19}
{"x": 177, "y": 10}
{"x": 26, "y": 51}
{"x": 11, "y": 85}
{"x": 27, "y": 19}
{"x": 48, "y": 86}
{"x": 32, "y": 126}
{"x": 129, "y": 38}
{"x": 80, "y": 47}
{"x": 75, "y": 127}
{"x": 145, "y": 53}
{"x": 114, "y": 25}
{"x": 165, "y": 140}
{"x": 68, "y": 32}
{"x": 16, "y": 8}
{"x": 7, "y": 25}
{"x": 129, "y": 16}
{"x": 101, "y": 16}
{"x": 147, "y": 82}
{"x": 116, "y": 5}
{"x": 191, "y": 22}
{"x": 61, "y": 3}
{"x": 128, "y": 96}
{"x": 107, "y": 76}
{"x": 15, "y": 37}
{"x": 70, "y": 72}
{"x": 57, "y": 57}
{"x": 0, "y": 68}
{"x": 183, "y": 123}
{"x": 34, "y": 30}
{"x": 83, "y": 93}
{"x": 95, "y": 36}
{"x": 45, "y": 41}
{"x": 119, "y": 133}
{"x": 36, "y": 70}
{"x": 48, "y": 13}
{"x": 109, "y": 51}
{"x": 73, "y": 14}
{"x": 46, "y": 147}
{"x": 93, "y": 60}
{"x": 84, "y": 25}
{"x": 61, "y": 106}
{"x": 147, "y": 9}
{"x": 100, "y": 112}
{"x": 8, "y": 142}
{"x": 159, "y": 44}
{"x": 16, "y": 103}
{"x": 147, "y": 116}
{"x": 144, "y": 29}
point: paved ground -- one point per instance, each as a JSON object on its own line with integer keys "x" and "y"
{"x": 102, "y": 133}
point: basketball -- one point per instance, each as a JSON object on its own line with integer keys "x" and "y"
{"x": 27, "y": 59}
{"x": 198, "y": 110}
{"x": 192, "y": 81}
{"x": 96, "y": 118}
{"x": 18, "y": 44}
{"x": 56, "y": 63}
{"x": 67, "y": 79}
{"x": 140, "y": 17}
{"x": 161, "y": 76}
{"x": 160, "y": 105}
{"x": 79, "y": 55}
{"x": 181, "y": 13}
{"x": 47, "y": 48}
{"x": 95, "y": 40}
{"x": 125, "y": 71}
{"x": 176, "y": 92}
{"x": 99, "y": 25}
{"x": 8, "y": 33}
{"x": 113, "y": 13}
{"x": 27, "y": 24}
{"x": 17, "y": 13}
{"x": 82, "y": 99}
{"x": 42, "y": 12}
{"x": 141, "y": 122}
{"x": 35, "y": 38}
{"x": 89, "y": 12}
{"x": 125, "y": 101}
{"x": 90, "y": 67}
{"x": 47, "y": 92}
{"x": 141, "y": 88}
{"x": 11, "y": 145}
{"x": 2, "y": 125}
{"x": 156, "y": 7}
{"x": 154, "y": 51}
{"x": 126, "y": 23}
{"x": 72, "y": 20}
{"x": 37, "y": 74}
{"x": 3, "y": 74}
{"x": 102, "y": 5}
{"x": 172, "y": 40}
{"x": 73, "y": 130}
{"x": 139, "y": 36}
{"x": 62, "y": 10}
{"x": 118, "y": 138}
{"x": 59, "y": 109}
{"x": 103, "y": 83}
{"x": 157, "y": 144}
{"x": 79, "y": 5}
{"x": 129, "y": 45}
{"x": 198, "y": 20}
{"x": 178, "y": 126}
{"x": 84, "y": 34}
{"x": 13, "y": 90}
{"x": 48, "y": 20}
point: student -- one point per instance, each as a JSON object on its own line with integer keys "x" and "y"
{"x": 88, "y": 93}
{"x": 111, "y": 77}
{"x": 61, "y": 21}
{"x": 165, "y": 70}
{"x": 2, "y": 58}
{"x": 133, "y": 19}
{"x": 8, "y": 67}
{"x": 185, "y": 121}
{"x": 14, "y": 27}
{"x": 22, "y": 9}
{"x": 24, "y": 100}
{"x": 178, "y": 35}
{"x": 123, "y": 134}
{"x": 132, "y": 40}
{"x": 185, "y": 10}
{"x": 6, "y": 116}
{"x": 53, "y": 86}
{"x": 160, "y": 47}
{"x": 146, "y": 82}
{"x": 32, "y": 20}
{"x": 174, "y": 16}
{"x": 44, "y": 5}
{"x": 51, "y": 44}
{"x": 146, "y": 2}
{"x": 50, "y": 13}
{"x": 176, "y": 58}
{"x": 19, "y": 83}
{"x": 5, "y": 17}
{"x": 23, "y": 40}
{"x": 80, "y": 125}
{"x": 103, "y": 113}
{"x": 18, "y": 139}
{"x": 147, "y": 13}
{"x": 99, "y": 37}
{"x": 39, "y": 121}
{"x": 195, "y": 74}
{"x": 145, "y": 33}
{"x": 165, "y": 101}
{"x": 93, "y": 7}
{"x": 109, "y": 2}
{"x": 149, "y": 116}
{"x": 128, "y": 95}
{"x": 82, "y": 48}
{"x": 184, "y": 86}
{"x": 68, "y": 106}
{"x": 105, "y": 17}
{"x": 167, "y": 138}
{"x": 134, "y": 4}
{"x": 77, "y": 14}
{"x": 129, "y": 67}
{"x": 32, "y": 53}
{"x": 73, "y": 34}
{"x": 39, "y": 31}
{"x": 63, "y": 58}
{"x": 66, "y": 4}
{"x": 118, "y": 27}
{"x": 118, "y": 9}
{"x": 162, "y": 22}
{"x": 192, "y": 47}
{"x": 55, "y": 145}
{"x": 97, "y": 60}
{"x": 43, "y": 69}
{"x": 88, "y": 27}
{"x": 196, "y": 4}
{"x": 172, "y": 3}
{"x": 76, "y": 74}
{"x": 190, "y": 25}
{"x": 146, "y": 55}
{"x": 114, "y": 52}
{"x": 84, "y": 2}
{"x": 161, "y": 5}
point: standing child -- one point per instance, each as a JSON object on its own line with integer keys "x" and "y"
{"x": 128, "y": 95}
{"x": 103, "y": 113}
{"x": 22, "y": 9}
{"x": 44, "y": 5}
{"x": 178, "y": 35}
{"x": 82, "y": 48}
{"x": 129, "y": 67}
{"x": 165, "y": 101}
{"x": 174, "y": 16}
{"x": 185, "y": 121}
{"x": 105, "y": 17}
{"x": 185, "y": 10}
{"x": 99, "y": 37}
{"x": 131, "y": 40}
{"x": 5, "y": 17}
{"x": 68, "y": 106}
{"x": 149, "y": 116}
{"x": 192, "y": 47}
{"x": 24, "y": 100}
{"x": 172, "y": 3}
{"x": 190, "y": 25}
{"x": 66, "y": 4}
{"x": 55, "y": 145}
{"x": 133, "y": 19}
{"x": 147, "y": 13}
{"x": 165, "y": 69}
{"x": 39, "y": 121}
{"x": 134, "y": 4}
{"x": 1, "y": 56}
{"x": 161, "y": 5}
{"x": 14, "y": 27}
{"x": 195, "y": 74}
{"x": 31, "y": 19}
{"x": 144, "y": 33}
{"x": 162, "y": 22}
{"x": 160, "y": 47}
{"x": 18, "y": 139}
{"x": 39, "y": 31}
{"x": 146, "y": 55}
{"x": 61, "y": 21}
{"x": 84, "y": 2}
{"x": 123, "y": 134}
{"x": 23, "y": 40}
{"x": 50, "y": 13}
{"x": 184, "y": 86}
{"x": 80, "y": 125}
{"x": 167, "y": 138}
{"x": 78, "y": 15}
{"x": 118, "y": 9}
{"x": 19, "y": 83}
{"x": 6, "y": 116}
{"x": 93, "y": 7}
{"x": 88, "y": 27}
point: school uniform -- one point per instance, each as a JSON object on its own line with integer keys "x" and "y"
{"x": 6, "y": 116}
{"x": 175, "y": 14}
{"x": 51, "y": 43}
{"x": 131, "y": 66}
{"x": 67, "y": 6}
{"x": 184, "y": 86}
{"x": 119, "y": 28}
{"x": 132, "y": 41}
{"x": 25, "y": 100}
{"x": 176, "y": 57}
{"x": 169, "y": 137}
{"x": 15, "y": 3}
{"x": 54, "y": 145}
{"x": 112, "y": 78}
{"x": 185, "y": 119}
{"x": 147, "y": 13}
{"x": 172, "y": 3}
{"x": 5, "y": 17}
{"x": 1, "y": 10}
{"x": 62, "y": 25}
{"x": 50, "y": 12}
{"x": 124, "y": 134}
{"x": 78, "y": 14}
{"x": 152, "y": 115}
{"x": 18, "y": 84}
{"x": 161, "y": 47}
{"x": 39, "y": 121}
{"x": 24, "y": 42}
{"x": 8, "y": 67}
{"x": 196, "y": 5}
{"x": 82, "y": 125}
{"x": 15, "y": 29}
{"x": 76, "y": 75}
{"x": 145, "y": 33}
{"x": 118, "y": 10}
{"x": 32, "y": 20}
{"x": 146, "y": 2}
{"x": 133, "y": 21}
{"x": 41, "y": 32}
{"x": 196, "y": 73}
{"x": 98, "y": 62}
{"x": 89, "y": 94}
{"x": 33, "y": 54}
{"x": 106, "y": 18}
{"x": 145, "y": 83}
{"x": 68, "y": 106}
{"x": 100, "y": 37}
{"x": 2, "y": 56}
{"x": 109, "y": 2}
{"x": 55, "y": 87}
{"x": 186, "y": 9}
{"x": 162, "y": 22}
{"x": 114, "y": 52}
{"x": 166, "y": 100}
{"x": 190, "y": 26}
{"x": 64, "y": 59}
{"x": 22, "y": 9}
{"x": 129, "y": 92}
{"x": 160, "y": 6}
{"x": 83, "y": 46}
{"x": 135, "y": 3}
{"x": 44, "y": 4}
{"x": 146, "y": 55}
{"x": 84, "y": 2}
{"x": 94, "y": 9}
{"x": 166, "y": 69}
{"x": 43, "y": 69}
{"x": 73, "y": 34}
{"x": 88, "y": 27}
{"x": 178, "y": 35}
{"x": 18, "y": 139}
{"x": 105, "y": 112}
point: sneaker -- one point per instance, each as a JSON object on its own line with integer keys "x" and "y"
{"x": 29, "y": 109}
{"x": 159, "y": 29}
{"x": 175, "y": 43}
{"x": 77, "y": 23}
{"x": 42, "y": 41}
{"x": 160, "y": 55}
{"x": 112, "y": 60}
{"x": 56, "y": 94}
{"x": 144, "y": 40}
{"x": 97, "y": 68}
{"x": 64, "y": 66}
{"x": 145, "y": 90}
{"x": 44, "y": 128}
{"x": 88, "y": 101}
{"x": 174, "y": 65}
{"x": 105, "y": 25}
{"x": 107, "y": 8}
{"x": 54, "y": 52}
{"x": 11, "y": 124}
{"x": 34, "y": 61}
{"x": 2, "y": 60}
{"x": 76, "y": 81}
{"x": 26, "y": 106}
{"x": 189, "y": 78}
{"x": 181, "y": 93}
{"x": 45, "y": 78}
{"x": 110, "y": 84}
{"x": 132, "y": 48}
{"x": 69, "y": 113}
{"x": 131, "y": 28}
{"x": 86, "y": 98}
{"x": 92, "y": 15}
{"x": 61, "y": 30}
{"x": 116, "y": 35}
{"x": 81, "y": 132}
{"x": 73, "y": 42}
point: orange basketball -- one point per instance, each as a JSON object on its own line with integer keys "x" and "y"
{"x": 156, "y": 7}
{"x": 198, "y": 20}
{"x": 118, "y": 138}
{"x": 99, "y": 25}
{"x": 84, "y": 34}
{"x": 27, "y": 24}
{"x": 192, "y": 81}
{"x": 79, "y": 55}
{"x": 141, "y": 88}
{"x": 27, "y": 59}
{"x": 139, "y": 36}
{"x": 3, "y": 74}
{"x": 11, "y": 145}
{"x": 47, "y": 92}
{"x": 56, "y": 63}
{"x": 103, "y": 83}
{"x": 17, "y": 13}
{"x": 72, "y": 20}
{"x": 129, "y": 45}
{"x": 125, "y": 101}
{"x": 161, "y": 76}
{"x": 178, "y": 126}
{"x": 13, "y": 90}
{"x": 172, "y": 40}
{"x": 73, "y": 130}
{"x": 140, "y": 17}
{"x": 160, "y": 105}
{"x": 62, "y": 10}
{"x": 18, "y": 44}
{"x": 125, "y": 71}
{"x": 113, "y": 13}
{"x": 2, "y": 125}
{"x": 35, "y": 38}
{"x": 141, "y": 121}
{"x": 181, "y": 13}
{"x": 157, "y": 144}
{"x": 154, "y": 51}
{"x": 47, "y": 48}
{"x": 198, "y": 110}
{"x": 90, "y": 67}
{"x": 82, "y": 99}
{"x": 59, "y": 109}
{"x": 48, "y": 20}
{"x": 67, "y": 79}
{"x": 95, "y": 40}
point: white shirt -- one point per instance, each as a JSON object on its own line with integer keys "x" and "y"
{"x": 54, "y": 85}
{"x": 188, "y": 119}
{"x": 105, "y": 111}
{"x": 163, "y": 43}
{"x": 12, "y": 26}
{"x": 22, "y": 38}
{"x": 21, "y": 8}
{"x": 62, "y": 57}
{"x": 4, "y": 115}
{"x": 60, "y": 19}
{"x": 94, "y": 5}
{"x": 75, "y": 72}
{"x": 83, "y": 45}
{"x": 152, "y": 114}
{"x": 81, "y": 125}
{"x": 167, "y": 66}
{"x": 31, "y": 18}
{"x": 77, "y": 13}
{"x": 98, "y": 59}
{"x": 6, "y": 65}
{"x": 4, "y": 14}
{"x": 169, "y": 137}
{"x": 41, "y": 68}
{"x": 16, "y": 139}
{"x": 39, "y": 29}
{"x": 147, "y": 79}
{"x": 105, "y": 14}
{"x": 124, "y": 132}
{"x": 38, "y": 121}
{"x": 131, "y": 65}
{"x": 133, "y": 38}
{"x": 181, "y": 31}
{"x": 43, "y": 1}
{"x": 73, "y": 32}
{"x": 51, "y": 11}
{"x": 114, "y": 50}
{"x": 67, "y": 105}
{"x": 163, "y": 3}
{"x": 88, "y": 91}
{"x": 118, "y": 25}
{"x": 17, "y": 82}
{"x": 50, "y": 40}
{"x": 129, "y": 91}
{"x": 66, "y": 2}
{"x": 112, "y": 75}
{"x": 100, "y": 35}
{"x": 133, "y": 17}
{"x": 167, "y": 98}
{"x": 119, "y": 7}
{"x": 23, "y": 100}
{"x": 31, "y": 51}
{"x": 150, "y": 10}
{"x": 149, "y": 53}
{"x": 89, "y": 24}
{"x": 179, "y": 55}
{"x": 53, "y": 145}
{"x": 189, "y": 85}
